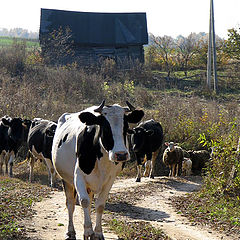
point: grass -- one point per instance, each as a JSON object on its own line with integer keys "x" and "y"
{"x": 16, "y": 199}
{"x": 8, "y": 41}
{"x": 136, "y": 230}
{"x": 219, "y": 212}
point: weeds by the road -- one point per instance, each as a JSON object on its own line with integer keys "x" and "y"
{"x": 136, "y": 230}
{"x": 219, "y": 212}
{"x": 16, "y": 199}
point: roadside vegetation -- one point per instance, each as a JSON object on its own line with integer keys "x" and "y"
{"x": 16, "y": 199}
{"x": 171, "y": 90}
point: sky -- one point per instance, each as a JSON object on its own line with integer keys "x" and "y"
{"x": 164, "y": 17}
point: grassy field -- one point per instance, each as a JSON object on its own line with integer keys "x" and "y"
{"x": 7, "y": 41}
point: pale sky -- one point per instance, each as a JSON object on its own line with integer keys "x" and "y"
{"x": 164, "y": 17}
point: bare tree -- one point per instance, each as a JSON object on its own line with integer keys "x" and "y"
{"x": 165, "y": 48}
{"x": 187, "y": 47}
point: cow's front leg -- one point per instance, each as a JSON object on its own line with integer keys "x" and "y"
{"x": 100, "y": 205}
{"x": 70, "y": 203}
{"x": 84, "y": 201}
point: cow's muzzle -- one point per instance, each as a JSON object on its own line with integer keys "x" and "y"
{"x": 121, "y": 156}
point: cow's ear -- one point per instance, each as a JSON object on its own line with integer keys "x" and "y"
{"x": 7, "y": 122}
{"x": 150, "y": 132}
{"x": 89, "y": 118}
{"x": 52, "y": 130}
{"x": 166, "y": 144}
{"x": 135, "y": 116}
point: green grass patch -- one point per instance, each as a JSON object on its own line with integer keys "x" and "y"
{"x": 8, "y": 41}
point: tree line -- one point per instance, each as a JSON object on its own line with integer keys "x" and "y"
{"x": 167, "y": 54}
{"x": 18, "y": 33}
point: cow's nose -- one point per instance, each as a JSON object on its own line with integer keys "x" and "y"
{"x": 121, "y": 156}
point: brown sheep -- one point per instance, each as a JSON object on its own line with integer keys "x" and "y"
{"x": 173, "y": 157}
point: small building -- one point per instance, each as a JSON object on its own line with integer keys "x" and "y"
{"x": 96, "y": 36}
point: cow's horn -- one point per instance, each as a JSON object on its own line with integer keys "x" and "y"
{"x": 131, "y": 107}
{"x": 99, "y": 109}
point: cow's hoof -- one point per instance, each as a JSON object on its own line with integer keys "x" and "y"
{"x": 91, "y": 237}
{"x": 138, "y": 180}
{"x": 152, "y": 176}
{"x": 99, "y": 236}
{"x": 70, "y": 236}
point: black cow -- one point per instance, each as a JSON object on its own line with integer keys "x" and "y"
{"x": 13, "y": 132}
{"x": 146, "y": 139}
{"x": 40, "y": 141}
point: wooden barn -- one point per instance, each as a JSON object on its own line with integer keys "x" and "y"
{"x": 95, "y": 36}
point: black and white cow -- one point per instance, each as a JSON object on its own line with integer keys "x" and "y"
{"x": 14, "y": 131}
{"x": 40, "y": 139}
{"x": 147, "y": 140}
{"x": 89, "y": 150}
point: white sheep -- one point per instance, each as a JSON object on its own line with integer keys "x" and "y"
{"x": 186, "y": 167}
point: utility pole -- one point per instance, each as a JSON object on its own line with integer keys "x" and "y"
{"x": 212, "y": 58}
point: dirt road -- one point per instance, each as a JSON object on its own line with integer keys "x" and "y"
{"x": 146, "y": 201}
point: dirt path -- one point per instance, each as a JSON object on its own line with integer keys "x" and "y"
{"x": 142, "y": 202}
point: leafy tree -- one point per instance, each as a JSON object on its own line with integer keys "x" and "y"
{"x": 57, "y": 46}
{"x": 232, "y": 46}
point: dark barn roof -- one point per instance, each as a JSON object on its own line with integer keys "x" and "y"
{"x": 97, "y": 29}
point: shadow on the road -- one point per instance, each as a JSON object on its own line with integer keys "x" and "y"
{"x": 186, "y": 184}
{"x": 135, "y": 212}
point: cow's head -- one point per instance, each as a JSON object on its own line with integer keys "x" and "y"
{"x": 18, "y": 128}
{"x": 139, "y": 136}
{"x": 113, "y": 121}
{"x": 50, "y": 130}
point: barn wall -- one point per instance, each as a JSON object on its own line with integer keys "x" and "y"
{"x": 92, "y": 55}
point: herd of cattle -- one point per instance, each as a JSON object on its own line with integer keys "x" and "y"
{"x": 88, "y": 149}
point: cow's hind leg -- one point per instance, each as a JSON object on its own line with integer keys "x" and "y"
{"x": 51, "y": 172}
{"x": 2, "y": 157}
{"x": 147, "y": 166}
{"x": 139, "y": 168}
{"x": 12, "y": 156}
{"x": 31, "y": 160}
{"x": 70, "y": 203}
